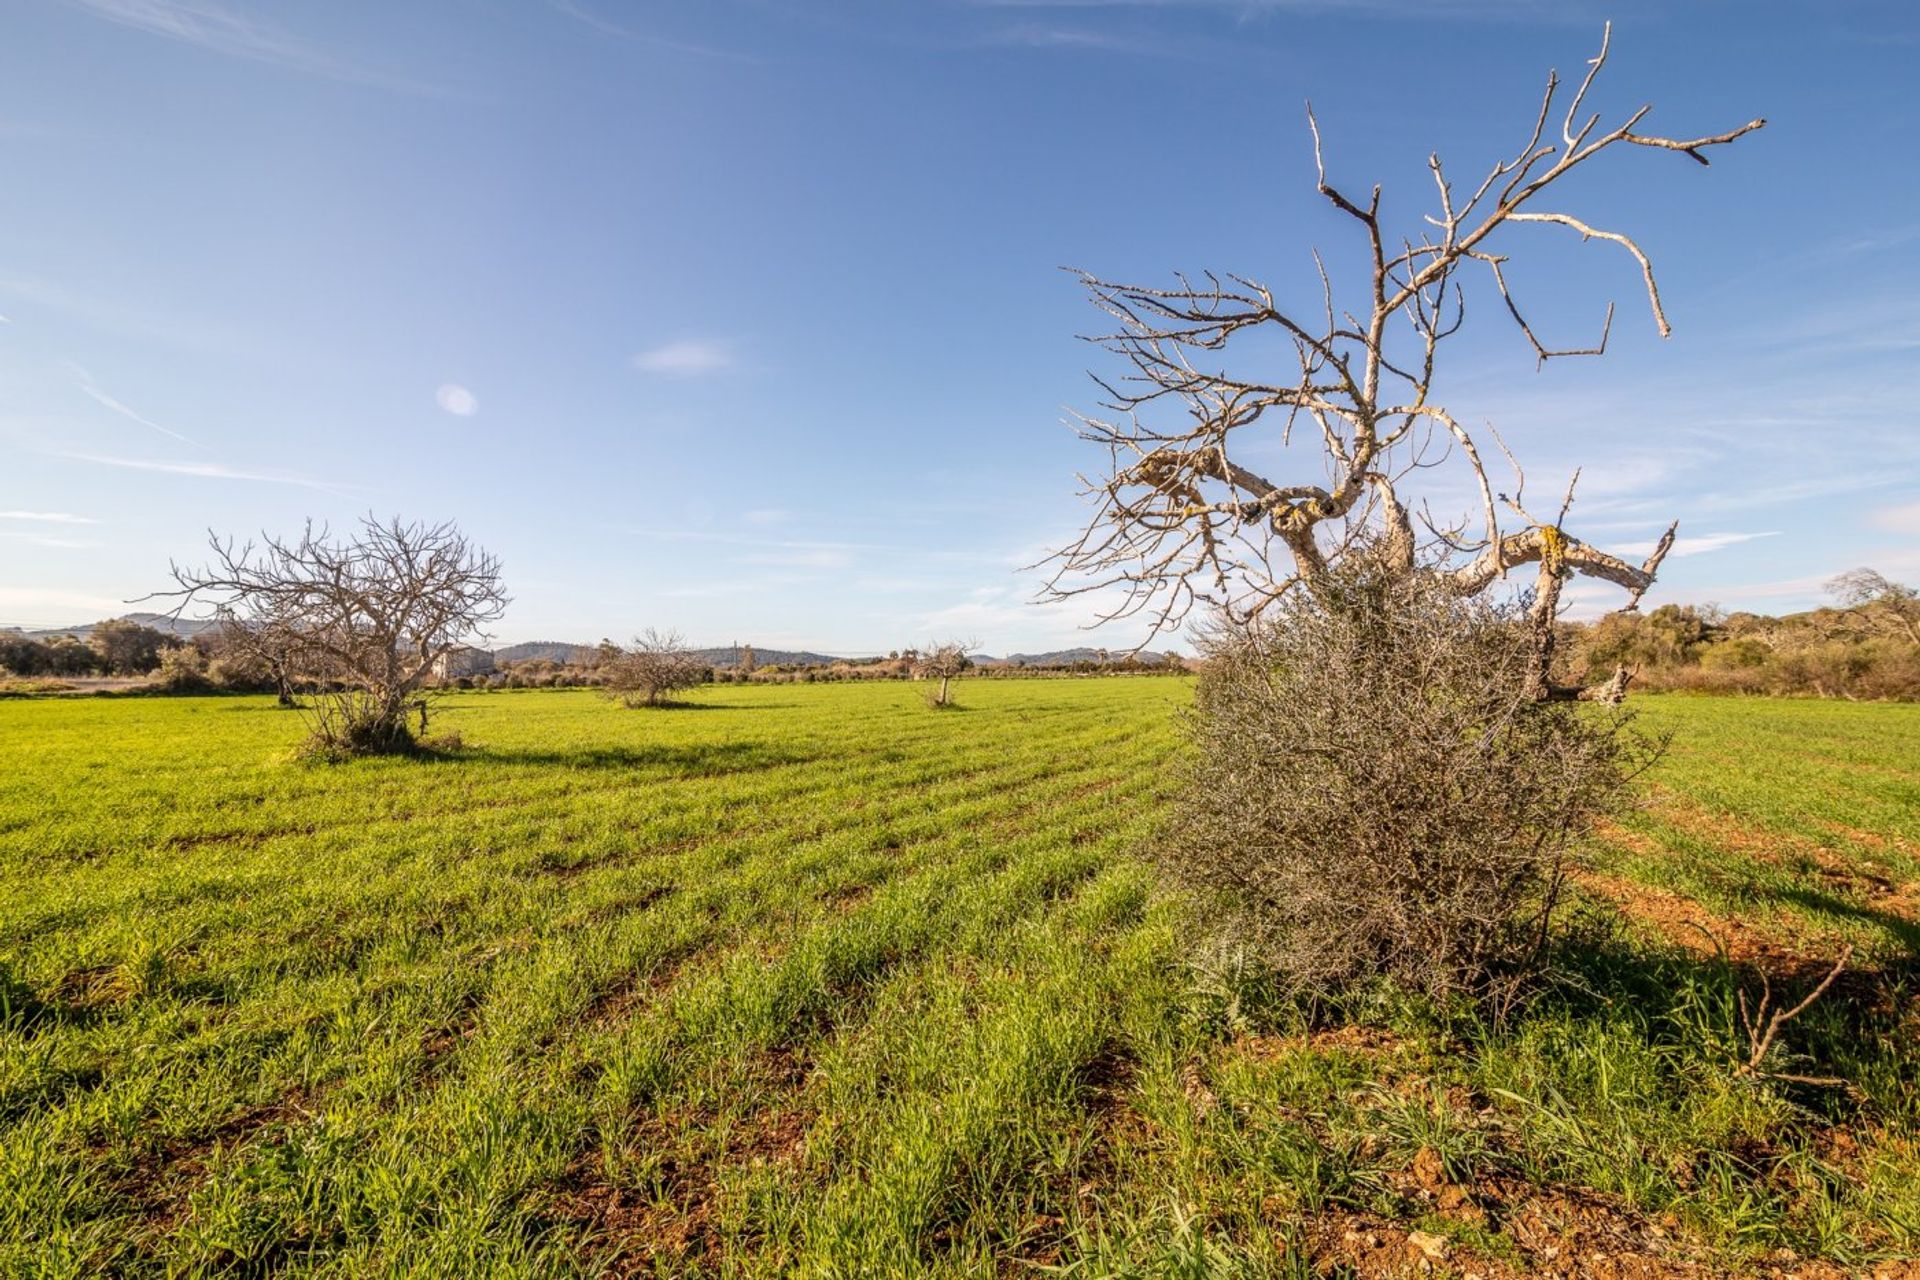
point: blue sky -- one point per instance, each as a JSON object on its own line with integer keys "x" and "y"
{"x": 743, "y": 316}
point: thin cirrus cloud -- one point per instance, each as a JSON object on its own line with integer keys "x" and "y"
{"x": 44, "y": 540}
{"x": 106, "y": 401}
{"x": 579, "y": 13}
{"x": 1699, "y": 545}
{"x": 201, "y": 470}
{"x": 219, "y": 28}
{"x": 48, "y": 517}
{"x": 686, "y": 358}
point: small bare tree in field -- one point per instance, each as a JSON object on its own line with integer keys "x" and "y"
{"x": 942, "y": 661}
{"x": 658, "y": 666}
{"x": 1184, "y": 517}
{"x": 358, "y": 621}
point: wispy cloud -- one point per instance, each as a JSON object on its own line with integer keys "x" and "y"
{"x": 201, "y": 470}
{"x": 1698, "y": 545}
{"x": 48, "y": 517}
{"x": 135, "y": 318}
{"x": 50, "y": 603}
{"x": 1041, "y": 35}
{"x": 581, "y": 14}
{"x": 801, "y": 558}
{"x": 101, "y": 398}
{"x": 1242, "y": 10}
{"x": 43, "y": 540}
{"x": 210, "y": 25}
{"x": 686, "y": 358}
{"x": 758, "y": 542}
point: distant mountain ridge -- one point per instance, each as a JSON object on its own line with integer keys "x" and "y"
{"x": 185, "y": 628}
{"x": 566, "y": 651}
{"x": 551, "y": 650}
{"x": 721, "y": 656}
{"x": 1068, "y": 658}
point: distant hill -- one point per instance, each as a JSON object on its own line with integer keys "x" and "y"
{"x": 185, "y": 628}
{"x": 729, "y": 656}
{"x": 726, "y": 656}
{"x": 551, "y": 650}
{"x": 1067, "y": 658}
{"x": 567, "y": 651}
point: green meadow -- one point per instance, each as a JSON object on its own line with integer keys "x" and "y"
{"x": 811, "y": 980}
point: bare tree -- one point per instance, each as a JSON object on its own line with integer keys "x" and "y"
{"x": 359, "y": 621}
{"x": 1874, "y": 604}
{"x": 658, "y": 666}
{"x": 1183, "y": 520}
{"x": 942, "y": 660}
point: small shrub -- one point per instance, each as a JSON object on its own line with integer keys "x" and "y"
{"x": 183, "y": 669}
{"x": 1374, "y": 793}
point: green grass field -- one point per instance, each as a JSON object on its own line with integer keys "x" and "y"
{"x": 812, "y": 980}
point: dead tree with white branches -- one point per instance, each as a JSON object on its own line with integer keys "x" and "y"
{"x": 1182, "y": 520}
{"x": 357, "y": 622}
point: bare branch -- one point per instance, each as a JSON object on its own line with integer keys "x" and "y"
{"x": 1181, "y": 520}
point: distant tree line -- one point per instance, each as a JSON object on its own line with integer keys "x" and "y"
{"x": 1865, "y": 645}
{"x": 117, "y": 648}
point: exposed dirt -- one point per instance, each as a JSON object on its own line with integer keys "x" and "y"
{"x": 672, "y": 1220}
{"x": 617, "y": 1003}
{"x": 1500, "y": 1230}
{"x": 160, "y": 1182}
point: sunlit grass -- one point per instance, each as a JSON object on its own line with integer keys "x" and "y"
{"x": 814, "y": 981}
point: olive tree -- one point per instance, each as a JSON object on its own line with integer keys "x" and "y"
{"x": 1188, "y": 513}
{"x": 358, "y": 621}
{"x": 128, "y": 649}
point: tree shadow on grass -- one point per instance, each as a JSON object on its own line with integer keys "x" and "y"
{"x": 1691, "y": 1001}
{"x": 1816, "y": 902}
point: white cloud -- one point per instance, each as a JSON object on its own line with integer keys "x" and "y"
{"x": 457, "y": 400}
{"x": 48, "y": 517}
{"x": 1903, "y": 519}
{"x": 686, "y": 358}
{"x": 767, "y": 515}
